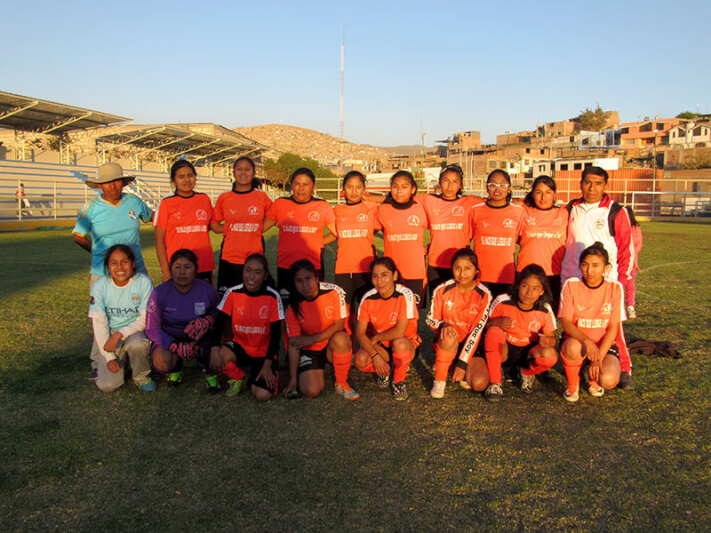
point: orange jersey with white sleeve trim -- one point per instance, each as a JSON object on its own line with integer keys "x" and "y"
{"x": 465, "y": 312}
{"x": 450, "y": 226}
{"x": 592, "y": 309}
{"x": 243, "y": 214}
{"x": 251, "y": 316}
{"x": 542, "y": 238}
{"x": 300, "y": 229}
{"x": 186, "y": 222}
{"x": 495, "y": 232}
{"x": 384, "y": 313}
{"x": 318, "y": 314}
{"x": 356, "y": 225}
{"x": 404, "y": 234}
{"x": 525, "y": 325}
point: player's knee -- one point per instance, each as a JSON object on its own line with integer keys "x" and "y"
{"x": 362, "y": 360}
{"x": 401, "y": 344}
{"x": 311, "y": 390}
{"x": 341, "y": 342}
{"x": 261, "y": 395}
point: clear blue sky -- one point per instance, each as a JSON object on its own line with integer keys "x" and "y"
{"x": 455, "y": 66}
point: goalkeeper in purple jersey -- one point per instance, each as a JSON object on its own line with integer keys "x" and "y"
{"x": 179, "y": 314}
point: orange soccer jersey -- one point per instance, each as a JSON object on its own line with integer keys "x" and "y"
{"x": 525, "y": 325}
{"x": 384, "y": 313}
{"x": 592, "y": 309}
{"x": 318, "y": 314}
{"x": 450, "y": 226}
{"x": 186, "y": 222}
{"x": 404, "y": 234}
{"x": 465, "y": 312}
{"x": 243, "y": 214}
{"x": 542, "y": 238}
{"x": 495, "y": 232}
{"x": 356, "y": 225}
{"x": 251, "y": 317}
{"x": 300, "y": 229}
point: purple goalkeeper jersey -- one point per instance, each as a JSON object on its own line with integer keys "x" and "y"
{"x": 168, "y": 311}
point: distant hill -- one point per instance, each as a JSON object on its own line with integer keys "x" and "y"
{"x": 408, "y": 149}
{"x": 322, "y": 147}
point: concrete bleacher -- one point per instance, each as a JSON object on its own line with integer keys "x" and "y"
{"x": 56, "y": 192}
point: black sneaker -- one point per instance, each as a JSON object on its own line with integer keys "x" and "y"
{"x": 494, "y": 392}
{"x": 399, "y": 390}
{"x": 626, "y": 382}
{"x": 383, "y": 382}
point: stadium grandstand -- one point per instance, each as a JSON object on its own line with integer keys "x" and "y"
{"x": 47, "y": 150}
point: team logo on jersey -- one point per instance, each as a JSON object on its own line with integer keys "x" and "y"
{"x": 485, "y": 223}
{"x": 135, "y": 298}
{"x": 264, "y": 312}
{"x": 240, "y": 310}
{"x": 362, "y": 218}
{"x": 201, "y": 214}
{"x": 132, "y": 215}
{"x": 606, "y": 309}
{"x": 313, "y": 216}
{"x": 253, "y": 210}
{"x": 600, "y": 223}
{"x": 449, "y": 304}
{"x": 290, "y": 214}
{"x": 413, "y": 220}
{"x": 508, "y": 223}
{"x": 457, "y": 211}
{"x": 393, "y": 317}
{"x": 531, "y": 221}
{"x": 581, "y": 308}
{"x": 199, "y": 308}
{"x": 232, "y": 211}
{"x": 328, "y": 312}
{"x": 534, "y": 326}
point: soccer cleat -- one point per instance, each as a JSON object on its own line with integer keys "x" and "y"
{"x": 526, "y": 382}
{"x": 494, "y": 392}
{"x": 93, "y": 375}
{"x": 626, "y": 382}
{"x": 383, "y": 382}
{"x": 438, "y": 389}
{"x": 213, "y": 387}
{"x": 175, "y": 378}
{"x": 631, "y": 313}
{"x": 346, "y": 391}
{"x": 234, "y": 387}
{"x": 571, "y": 396}
{"x": 399, "y": 390}
{"x": 149, "y": 385}
{"x": 595, "y": 389}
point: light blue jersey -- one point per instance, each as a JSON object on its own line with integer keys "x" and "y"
{"x": 112, "y": 224}
{"x": 121, "y": 305}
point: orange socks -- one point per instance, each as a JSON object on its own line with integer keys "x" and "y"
{"x": 572, "y": 372}
{"x": 232, "y": 371}
{"x": 494, "y": 346}
{"x": 537, "y": 365}
{"x": 443, "y": 361}
{"x": 401, "y": 362}
{"x": 341, "y": 366}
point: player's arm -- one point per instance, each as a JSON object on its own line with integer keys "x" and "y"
{"x": 162, "y": 253}
{"x": 338, "y": 325}
{"x": 83, "y": 241}
{"x": 590, "y": 348}
{"x": 217, "y": 227}
{"x": 395, "y": 332}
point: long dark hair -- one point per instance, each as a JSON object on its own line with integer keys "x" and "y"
{"x": 259, "y": 258}
{"x": 295, "y": 297}
{"x": 121, "y": 248}
{"x": 545, "y": 180}
{"x": 402, "y": 174}
{"x": 184, "y": 253}
{"x": 256, "y": 182}
{"x": 537, "y": 272}
{"x": 180, "y": 163}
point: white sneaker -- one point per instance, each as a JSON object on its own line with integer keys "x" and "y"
{"x": 526, "y": 382}
{"x": 438, "y": 389}
{"x": 631, "y": 313}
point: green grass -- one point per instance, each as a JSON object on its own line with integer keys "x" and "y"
{"x": 74, "y": 458}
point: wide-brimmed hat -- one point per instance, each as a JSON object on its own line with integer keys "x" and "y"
{"x": 109, "y": 172}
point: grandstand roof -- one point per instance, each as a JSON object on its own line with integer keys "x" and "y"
{"x": 42, "y": 116}
{"x": 177, "y": 141}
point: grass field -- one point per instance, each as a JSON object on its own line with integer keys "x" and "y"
{"x": 76, "y": 459}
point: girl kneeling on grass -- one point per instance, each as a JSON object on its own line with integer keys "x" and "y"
{"x": 181, "y": 311}
{"x": 255, "y": 313}
{"x": 118, "y": 314}
{"x": 458, "y": 313}
{"x": 387, "y": 328}
{"x": 317, "y": 332}
{"x": 521, "y": 332}
{"x": 591, "y": 312}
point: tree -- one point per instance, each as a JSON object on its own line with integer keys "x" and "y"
{"x": 591, "y": 120}
{"x": 688, "y": 115}
{"x": 279, "y": 171}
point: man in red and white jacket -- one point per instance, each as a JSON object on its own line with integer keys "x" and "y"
{"x": 596, "y": 218}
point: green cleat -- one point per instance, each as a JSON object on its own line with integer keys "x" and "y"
{"x": 175, "y": 378}
{"x": 213, "y": 387}
{"x": 234, "y": 387}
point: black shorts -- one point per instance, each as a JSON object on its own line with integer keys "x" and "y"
{"x": 517, "y": 356}
{"x": 312, "y": 360}
{"x": 229, "y": 275}
{"x": 417, "y": 286}
{"x": 614, "y": 351}
{"x": 254, "y": 365}
{"x": 554, "y": 283}
{"x": 355, "y": 285}
{"x": 436, "y": 276}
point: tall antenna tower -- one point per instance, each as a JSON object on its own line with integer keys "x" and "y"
{"x": 343, "y": 68}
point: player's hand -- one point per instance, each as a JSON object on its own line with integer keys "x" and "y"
{"x": 382, "y": 368}
{"x": 458, "y": 375}
{"x": 594, "y": 371}
{"x": 297, "y": 342}
{"x": 449, "y": 333}
{"x": 592, "y": 352}
{"x": 267, "y": 374}
{"x": 502, "y": 322}
{"x": 215, "y": 360}
{"x": 291, "y": 386}
{"x": 546, "y": 341}
{"x": 185, "y": 350}
{"x": 112, "y": 342}
{"x": 197, "y": 327}
{"x": 113, "y": 366}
